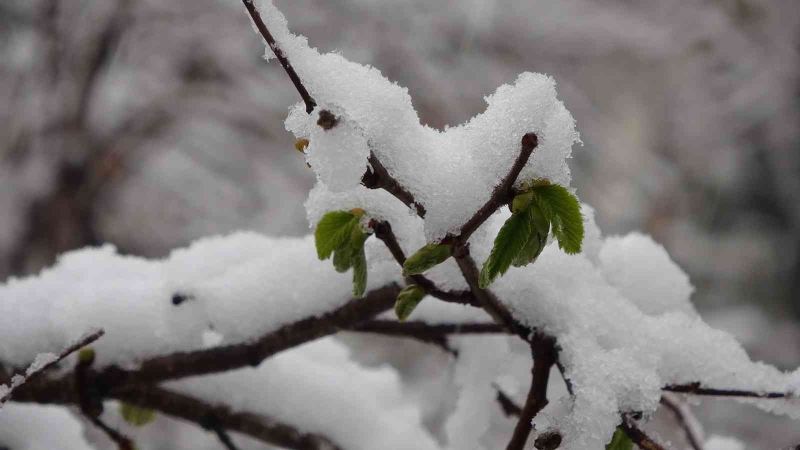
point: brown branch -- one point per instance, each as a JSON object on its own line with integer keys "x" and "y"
{"x": 507, "y": 404}
{"x": 544, "y": 356}
{"x": 123, "y": 442}
{"x": 287, "y": 66}
{"x": 503, "y": 193}
{"x": 638, "y": 436}
{"x": 430, "y": 334}
{"x": 383, "y": 231}
{"x": 27, "y": 376}
{"x": 225, "y": 438}
{"x": 236, "y": 356}
{"x": 685, "y": 419}
{"x": 377, "y": 177}
{"x": 485, "y": 297}
{"x": 698, "y": 389}
{"x": 208, "y": 415}
{"x": 422, "y": 329}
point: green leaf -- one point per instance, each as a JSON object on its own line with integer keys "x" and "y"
{"x": 359, "y": 272}
{"x": 507, "y": 245}
{"x": 521, "y": 201}
{"x": 620, "y": 441}
{"x": 135, "y": 415}
{"x": 540, "y": 229}
{"x": 332, "y": 231}
{"x": 561, "y": 208}
{"x": 426, "y": 257}
{"x": 407, "y": 300}
{"x": 343, "y": 258}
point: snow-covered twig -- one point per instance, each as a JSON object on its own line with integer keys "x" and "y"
{"x": 45, "y": 361}
{"x": 699, "y": 389}
{"x": 236, "y": 356}
{"x": 383, "y": 231}
{"x": 502, "y": 194}
{"x": 287, "y": 66}
{"x": 638, "y": 436}
{"x": 544, "y": 356}
{"x": 685, "y": 419}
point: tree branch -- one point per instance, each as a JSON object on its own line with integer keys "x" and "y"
{"x": 230, "y": 357}
{"x": 225, "y": 438}
{"x": 507, "y": 404}
{"x": 383, "y": 231}
{"x": 685, "y": 419}
{"x": 638, "y": 436}
{"x": 287, "y": 66}
{"x": 32, "y": 373}
{"x": 544, "y": 356}
{"x": 503, "y": 193}
{"x": 487, "y": 299}
{"x": 697, "y": 389}
{"x": 207, "y": 415}
{"x": 377, "y": 177}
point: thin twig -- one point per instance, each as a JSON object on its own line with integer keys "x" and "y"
{"x": 287, "y": 66}
{"x": 225, "y": 438}
{"x": 203, "y": 413}
{"x": 33, "y": 373}
{"x": 544, "y": 356}
{"x": 507, "y": 404}
{"x": 383, "y": 231}
{"x": 415, "y": 329}
{"x": 487, "y": 299}
{"x": 698, "y": 389}
{"x": 123, "y": 442}
{"x": 236, "y": 356}
{"x": 638, "y": 436}
{"x": 377, "y": 177}
{"x": 685, "y": 419}
{"x": 503, "y": 193}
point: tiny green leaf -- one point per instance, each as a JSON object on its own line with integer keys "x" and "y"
{"x": 343, "y": 258}
{"x": 332, "y": 231}
{"x": 135, "y": 415}
{"x": 561, "y": 208}
{"x": 407, "y": 300}
{"x": 521, "y": 201}
{"x": 359, "y": 272}
{"x": 620, "y": 441}
{"x": 507, "y": 245}
{"x": 539, "y": 231}
{"x": 426, "y": 257}
{"x": 86, "y": 355}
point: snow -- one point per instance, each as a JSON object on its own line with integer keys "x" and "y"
{"x": 620, "y": 311}
{"x": 452, "y": 171}
{"x": 358, "y": 408}
{"x": 723, "y": 443}
{"x": 37, "y": 427}
{"x": 242, "y": 286}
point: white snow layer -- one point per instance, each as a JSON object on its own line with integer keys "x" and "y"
{"x": 240, "y": 286}
{"x": 620, "y": 311}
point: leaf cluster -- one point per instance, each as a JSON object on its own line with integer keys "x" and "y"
{"x": 339, "y": 233}
{"x": 535, "y": 213}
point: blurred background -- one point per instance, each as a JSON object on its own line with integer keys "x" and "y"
{"x": 149, "y": 124}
